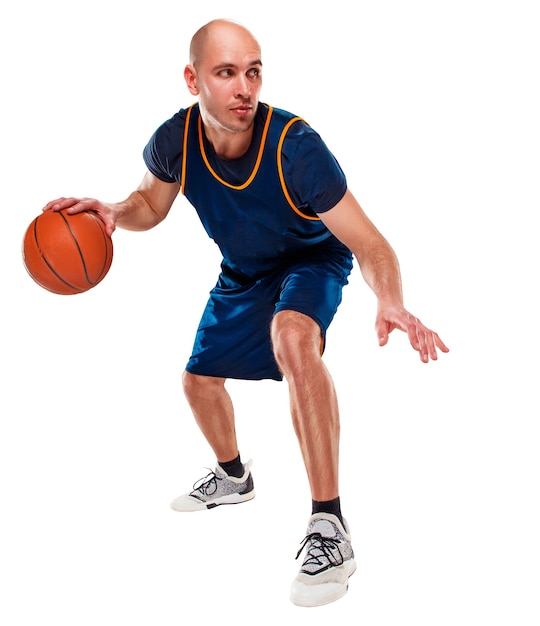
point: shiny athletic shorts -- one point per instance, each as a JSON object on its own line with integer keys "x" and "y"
{"x": 233, "y": 338}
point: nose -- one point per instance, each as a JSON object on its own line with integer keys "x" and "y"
{"x": 243, "y": 88}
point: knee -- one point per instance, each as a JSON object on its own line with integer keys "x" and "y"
{"x": 195, "y": 385}
{"x": 296, "y": 340}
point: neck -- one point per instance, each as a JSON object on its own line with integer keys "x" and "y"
{"x": 227, "y": 144}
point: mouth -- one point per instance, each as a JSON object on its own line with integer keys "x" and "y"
{"x": 242, "y": 109}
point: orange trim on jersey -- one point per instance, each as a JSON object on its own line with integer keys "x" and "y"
{"x": 282, "y": 177}
{"x": 257, "y": 162}
{"x": 184, "y": 149}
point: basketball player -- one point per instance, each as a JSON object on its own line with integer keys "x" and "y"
{"x": 276, "y": 202}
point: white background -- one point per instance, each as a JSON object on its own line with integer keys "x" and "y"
{"x": 432, "y": 110}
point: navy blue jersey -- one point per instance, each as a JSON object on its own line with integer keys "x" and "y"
{"x": 261, "y": 209}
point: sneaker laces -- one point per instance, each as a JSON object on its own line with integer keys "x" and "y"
{"x": 320, "y": 548}
{"x": 208, "y": 484}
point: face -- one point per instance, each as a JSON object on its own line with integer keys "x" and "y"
{"x": 226, "y": 77}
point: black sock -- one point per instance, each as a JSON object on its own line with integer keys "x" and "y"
{"x": 329, "y": 506}
{"x": 233, "y": 468}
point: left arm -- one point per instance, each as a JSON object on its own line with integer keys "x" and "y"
{"x": 380, "y": 269}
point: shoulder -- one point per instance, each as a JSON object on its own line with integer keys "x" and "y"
{"x": 294, "y": 125}
{"x": 163, "y": 152}
{"x": 296, "y": 136}
{"x": 311, "y": 172}
{"x": 174, "y": 126}
{"x": 300, "y": 140}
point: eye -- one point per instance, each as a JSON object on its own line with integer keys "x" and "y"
{"x": 225, "y": 73}
{"x": 254, "y": 73}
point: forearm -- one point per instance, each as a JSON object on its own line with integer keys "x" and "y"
{"x": 147, "y": 206}
{"x": 380, "y": 269}
{"x": 135, "y": 213}
{"x": 377, "y": 260}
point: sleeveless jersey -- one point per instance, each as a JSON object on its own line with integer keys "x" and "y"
{"x": 255, "y": 223}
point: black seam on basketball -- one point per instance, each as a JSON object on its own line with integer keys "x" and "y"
{"x": 62, "y": 280}
{"x": 79, "y": 249}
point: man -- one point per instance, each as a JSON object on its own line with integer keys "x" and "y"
{"x": 276, "y": 202}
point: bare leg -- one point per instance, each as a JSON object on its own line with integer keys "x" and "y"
{"x": 297, "y": 340}
{"x": 213, "y": 411}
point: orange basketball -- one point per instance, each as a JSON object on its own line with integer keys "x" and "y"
{"x": 67, "y": 254}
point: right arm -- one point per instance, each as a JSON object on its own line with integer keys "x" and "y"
{"x": 143, "y": 209}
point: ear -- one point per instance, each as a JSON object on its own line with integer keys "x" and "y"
{"x": 190, "y": 76}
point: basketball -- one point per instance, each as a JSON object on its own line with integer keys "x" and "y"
{"x": 67, "y": 254}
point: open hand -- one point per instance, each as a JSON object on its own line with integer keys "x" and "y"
{"x": 77, "y": 205}
{"x": 422, "y": 339}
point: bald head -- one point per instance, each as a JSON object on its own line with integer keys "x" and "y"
{"x": 225, "y": 74}
{"x": 213, "y": 33}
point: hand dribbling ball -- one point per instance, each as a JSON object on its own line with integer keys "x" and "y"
{"x": 67, "y": 254}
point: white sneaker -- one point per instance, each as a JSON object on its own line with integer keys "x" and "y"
{"x": 328, "y": 562}
{"x": 217, "y": 488}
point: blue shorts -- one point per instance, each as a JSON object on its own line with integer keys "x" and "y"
{"x": 233, "y": 338}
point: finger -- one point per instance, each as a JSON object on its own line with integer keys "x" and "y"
{"x": 433, "y": 343}
{"x": 439, "y": 343}
{"x": 412, "y": 333}
{"x": 60, "y": 204}
{"x": 53, "y": 204}
{"x": 426, "y": 345}
{"x": 431, "y": 347}
{"x": 79, "y": 205}
{"x": 429, "y": 342}
{"x": 382, "y": 333}
{"x": 110, "y": 227}
{"x": 420, "y": 340}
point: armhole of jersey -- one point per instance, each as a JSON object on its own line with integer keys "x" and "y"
{"x": 282, "y": 177}
{"x": 184, "y": 149}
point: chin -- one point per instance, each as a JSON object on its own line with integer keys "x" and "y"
{"x": 241, "y": 126}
